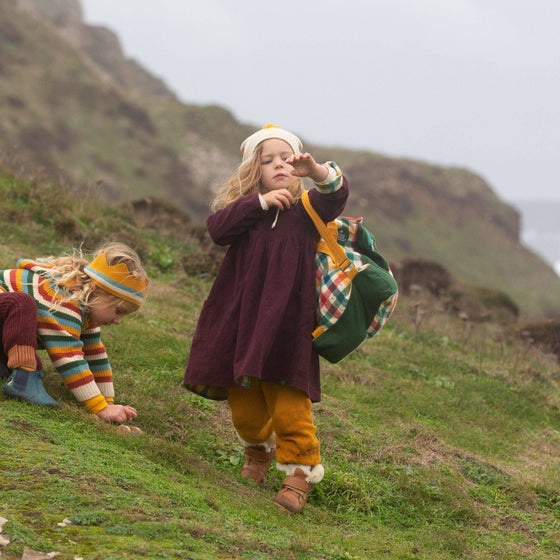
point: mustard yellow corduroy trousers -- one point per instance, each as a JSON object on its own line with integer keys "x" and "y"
{"x": 264, "y": 409}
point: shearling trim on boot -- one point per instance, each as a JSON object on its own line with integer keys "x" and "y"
{"x": 267, "y": 445}
{"x": 314, "y": 474}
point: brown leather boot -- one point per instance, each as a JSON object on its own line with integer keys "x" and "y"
{"x": 294, "y": 493}
{"x": 257, "y": 462}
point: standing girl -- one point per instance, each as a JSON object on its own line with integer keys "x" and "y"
{"x": 60, "y": 305}
{"x": 253, "y": 343}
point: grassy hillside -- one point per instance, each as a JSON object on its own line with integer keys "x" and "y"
{"x": 441, "y": 438}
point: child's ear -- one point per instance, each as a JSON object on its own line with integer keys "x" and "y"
{"x": 97, "y": 293}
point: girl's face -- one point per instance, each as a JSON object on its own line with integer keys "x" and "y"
{"x": 275, "y": 172}
{"x": 106, "y": 309}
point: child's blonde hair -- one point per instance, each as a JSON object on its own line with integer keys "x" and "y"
{"x": 67, "y": 273}
{"x": 246, "y": 181}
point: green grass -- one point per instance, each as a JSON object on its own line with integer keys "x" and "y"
{"x": 439, "y": 443}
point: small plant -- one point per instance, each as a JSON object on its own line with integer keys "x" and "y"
{"x": 231, "y": 458}
{"x": 162, "y": 256}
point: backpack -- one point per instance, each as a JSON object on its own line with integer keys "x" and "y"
{"x": 356, "y": 290}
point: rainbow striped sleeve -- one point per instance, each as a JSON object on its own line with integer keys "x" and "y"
{"x": 60, "y": 335}
{"x": 98, "y": 361}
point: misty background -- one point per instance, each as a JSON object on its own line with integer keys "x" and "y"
{"x": 462, "y": 83}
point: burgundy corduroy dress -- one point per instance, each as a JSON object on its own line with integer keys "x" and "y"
{"x": 258, "y": 318}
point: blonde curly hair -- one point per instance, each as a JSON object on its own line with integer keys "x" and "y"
{"x": 67, "y": 274}
{"x": 245, "y": 181}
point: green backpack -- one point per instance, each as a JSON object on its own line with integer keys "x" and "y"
{"x": 356, "y": 290}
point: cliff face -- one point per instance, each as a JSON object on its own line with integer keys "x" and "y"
{"x": 98, "y": 43}
{"x": 73, "y": 106}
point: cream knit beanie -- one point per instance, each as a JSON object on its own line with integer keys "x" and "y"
{"x": 266, "y": 133}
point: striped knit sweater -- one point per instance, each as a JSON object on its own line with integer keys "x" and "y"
{"x": 75, "y": 350}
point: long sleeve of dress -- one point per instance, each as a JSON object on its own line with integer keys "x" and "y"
{"x": 236, "y": 219}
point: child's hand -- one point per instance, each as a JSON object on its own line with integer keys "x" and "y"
{"x": 117, "y": 413}
{"x": 305, "y": 166}
{"x": 281, "y": 198}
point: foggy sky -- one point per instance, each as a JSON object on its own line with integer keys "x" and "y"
{"x": 467, "y": 83}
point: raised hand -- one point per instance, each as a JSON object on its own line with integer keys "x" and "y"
{"x": 305, "y": 166}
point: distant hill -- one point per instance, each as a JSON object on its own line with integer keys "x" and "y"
{"x": 74, "y": 108}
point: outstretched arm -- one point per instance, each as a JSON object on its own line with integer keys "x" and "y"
{"x": 329, "y": 196}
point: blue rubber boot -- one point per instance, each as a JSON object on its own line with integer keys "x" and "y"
{"x": 27, "y": 386}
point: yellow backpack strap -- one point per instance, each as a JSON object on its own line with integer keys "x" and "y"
{"x": 322, "y": 246}
{"x": 328, "y": 235}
